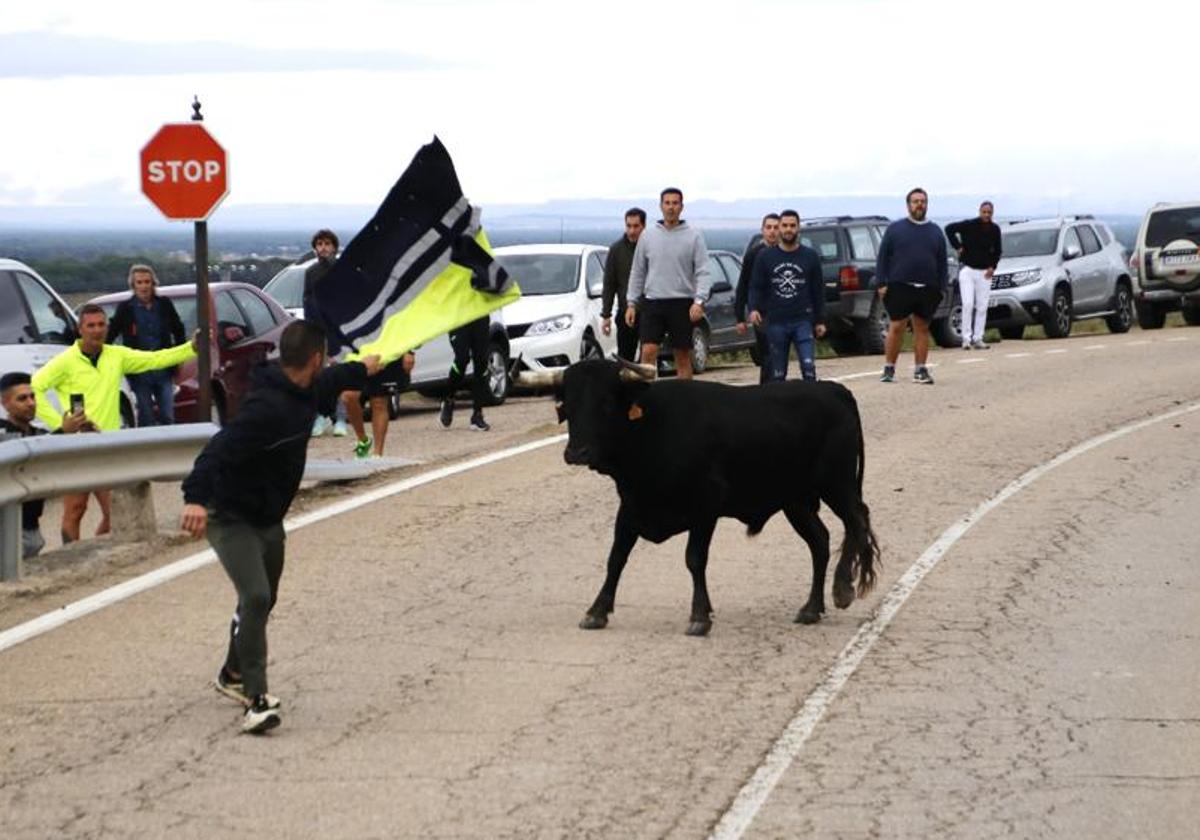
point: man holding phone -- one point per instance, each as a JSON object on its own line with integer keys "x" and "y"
{"x": 87, "y": 379}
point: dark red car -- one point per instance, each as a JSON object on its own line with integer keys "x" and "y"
{"x": 246, "y": 327}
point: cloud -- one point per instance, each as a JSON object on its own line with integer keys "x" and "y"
{"x": 49, "y": 55}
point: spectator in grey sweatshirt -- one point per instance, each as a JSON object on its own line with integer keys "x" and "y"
{"x": 668, "y": 284}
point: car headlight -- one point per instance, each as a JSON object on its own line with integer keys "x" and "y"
{"x": 549, "y": 325}
{"x": 1024, "y": 278}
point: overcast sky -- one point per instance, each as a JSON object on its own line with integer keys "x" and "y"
{"x": 325, "y": 102}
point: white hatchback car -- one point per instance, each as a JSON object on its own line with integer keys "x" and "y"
{"x": 556, "y": 321}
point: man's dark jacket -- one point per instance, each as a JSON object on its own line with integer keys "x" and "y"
{"x": 31, "y": 511}
{"x": 742, "y": 296}
{"x": 616, "y": 276}
{"x": 252, "y": 468}
{"x": 124, "y": 324}
{"x": 979, "y": 240}
{"x": 313, "y": 275}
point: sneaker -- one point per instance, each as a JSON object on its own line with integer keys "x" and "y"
{"x": 889, "y": 374}
{"x": 259, "y": 716}
{"x": 320, "y": 426}
{"x": 446, "y": 415}
{"x": 232, "y": 688}
{"x": 363, "y": 448}
{"x": 966, "y": 346}
{"x": 921, "y": 376}
{"x": 478, "y": 424}
{"x": 340, "y": 429}
{"x": 980, "y": 344}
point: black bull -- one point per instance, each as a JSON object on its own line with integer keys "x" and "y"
{"x": 685, "y": 453}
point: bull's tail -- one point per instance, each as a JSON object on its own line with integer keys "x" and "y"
{"x": 867, "y": 557}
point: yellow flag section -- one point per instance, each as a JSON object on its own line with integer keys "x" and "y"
{"x": 447, "y": 302}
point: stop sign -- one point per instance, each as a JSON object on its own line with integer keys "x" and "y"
{"x": 184, "y": 171}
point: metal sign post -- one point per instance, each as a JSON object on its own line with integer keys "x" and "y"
{"x": 203, "y": 319}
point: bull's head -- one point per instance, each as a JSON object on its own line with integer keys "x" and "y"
{"x": 595, "y": 399}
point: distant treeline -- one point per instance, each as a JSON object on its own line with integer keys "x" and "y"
{"x": 110, "y": 272}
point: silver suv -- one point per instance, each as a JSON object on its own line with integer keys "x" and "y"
{"x": 1166, "y": 264}
{"x": 1058, "y": 271}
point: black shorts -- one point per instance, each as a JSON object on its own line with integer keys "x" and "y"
{"x": 903, "y": 300}
{"x": 392, "y": 377}
{"x": 667, "y": 316}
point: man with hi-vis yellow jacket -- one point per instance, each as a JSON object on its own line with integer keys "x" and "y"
{"x": 87, "y": 379}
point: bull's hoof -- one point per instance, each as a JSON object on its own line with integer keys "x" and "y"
{"x": 843, "y": 594}
{"x": 699, "y": 628}
{"x": 593, "y": 622}
{"x": 807, "y": 616}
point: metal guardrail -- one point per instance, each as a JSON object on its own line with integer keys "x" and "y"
{"x": 49, "y": 465}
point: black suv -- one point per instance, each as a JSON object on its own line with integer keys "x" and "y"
{"x": 854, "y": 314}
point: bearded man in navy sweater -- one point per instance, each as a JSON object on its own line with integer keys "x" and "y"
{"x": 911, "y": 275}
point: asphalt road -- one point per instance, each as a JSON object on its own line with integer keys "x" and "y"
{"x": 1039, "y": 681}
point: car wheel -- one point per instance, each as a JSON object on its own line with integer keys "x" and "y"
{"x": 497, "y": 374}
{"x": 128, "y": 416}
{"x": 216, "y": 407}
{"x": 845, "y": 344}
{"x": 589, "y": 348}
{"x": 1015, "y": 333}
{"x": 1058, "y": 319}
{"x": 699, "y": 349}
{"x": 1122, "y": 319}
{"x": 1149, "y": 316}
{"x": 872, "y": 332}
{"x": 1191, "y": 314}
{"x": 393, "y": 405}
{"x": 947, "y": 332}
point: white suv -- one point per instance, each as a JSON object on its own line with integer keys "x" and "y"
{"x": 35, "y": 323}
{"x": 1166, "y": 264}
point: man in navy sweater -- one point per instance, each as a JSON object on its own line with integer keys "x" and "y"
{"x": 911, "y": 275}
{"x": 787, "y": 292}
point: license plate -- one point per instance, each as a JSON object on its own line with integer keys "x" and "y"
{"x": 1178, "y": 259}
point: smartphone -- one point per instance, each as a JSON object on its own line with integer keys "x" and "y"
{"x": 77, "y": 403}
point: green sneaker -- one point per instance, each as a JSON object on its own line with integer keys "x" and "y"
{"x": 362, "y": 449}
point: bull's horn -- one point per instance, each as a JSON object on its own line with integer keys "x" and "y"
{"x": 631, "y": 371}
{"x": 539, "y": 378}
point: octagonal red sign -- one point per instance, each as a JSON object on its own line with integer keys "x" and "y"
{"x": 185, "y": 172}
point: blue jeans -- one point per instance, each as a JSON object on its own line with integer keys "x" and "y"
{"x": 781, "y": 335}
{"x": 154, "y": 388}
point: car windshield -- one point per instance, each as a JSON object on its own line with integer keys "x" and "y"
{"x": 542, "y": 274}
{"x": 1029, "y": 243}
{"x": 185, "y": 306}
{"x": 287, "y": 287}
{"x": 1166, "y": 226}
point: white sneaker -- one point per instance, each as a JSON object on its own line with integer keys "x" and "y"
{"x": 320, "y": 425}
{"x": 260, "y": 717}
{"x": 340, "y": 429}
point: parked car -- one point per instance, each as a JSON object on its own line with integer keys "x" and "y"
{"x": 854, "y": 315}
{"x": 1165, "y": 265}
{"x": 1058, "y": 271}
{"x": 36, "y": 325}
{"x": 717, "y": 330}
{"x": 556, "y": 321}
{"x": 246, "y": 328}
{"x": 431, "y": 368}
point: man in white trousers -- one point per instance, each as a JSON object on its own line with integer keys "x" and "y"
{"x": 977, "y": 242}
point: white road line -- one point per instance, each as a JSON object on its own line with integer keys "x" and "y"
{"x": 1095, "y": 347}
{"x": 1180, "y": 338}
{"x": 78, "y": 609}
{"x": 1017, "y": 355}
{"x": 783, "y": 752}
{"x": 1049, "y": 352}
{"x": 971, "y": 361}
{"x": 1137, "y": 343}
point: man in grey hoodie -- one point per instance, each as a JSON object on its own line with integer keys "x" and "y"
{"x": 668, "y": 284}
